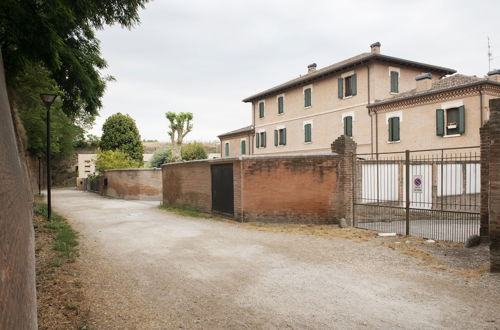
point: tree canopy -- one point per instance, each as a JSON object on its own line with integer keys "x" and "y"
{"x": 60, "y": 36}
{"x": 161, "y": 156}
{"x": 194, "y": 150}
{"x": 180, "y": 125}
{"x": 119, "y": 132}
{"x": 114, "y": 159}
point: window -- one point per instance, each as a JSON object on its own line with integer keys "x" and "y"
{"x": 243, "y": 147}
{"x": 394, "y": 82}
{"x": 260, "y": 140}
{"x": 280, "y": 137}
{"x": 347, "y": 86}
{"x": 348, "y": 126}
{"x": 261, "y": 109}
{"x": 394, "y": 129}
{"x": 281, "y": 104}
{"x": 307, "y": 97}
{"x": 450, "y": 121}
{"x": 226, "y": 147}
{"x": 308, "y": 132}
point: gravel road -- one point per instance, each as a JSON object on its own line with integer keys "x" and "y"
{"x": 144, "y": 268}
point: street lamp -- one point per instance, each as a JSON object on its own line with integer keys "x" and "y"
{"x": 48, "y": 99}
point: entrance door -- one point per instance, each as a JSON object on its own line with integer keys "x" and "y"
{"x": 222, "y": 188}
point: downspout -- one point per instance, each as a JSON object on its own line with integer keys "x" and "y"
{"x": 369, "y": 113}
{"x": 376, "y": 133}
{"x": 253, "y": 124}
{"x": 481, "y": 105}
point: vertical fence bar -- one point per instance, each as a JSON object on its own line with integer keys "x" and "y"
{"x": 407, "y": 170}
{"x": 354, "y": 165}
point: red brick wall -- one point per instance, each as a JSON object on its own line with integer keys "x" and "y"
{"x": 290, "y": 189}
{"x": 188, "y": 185}
{"x": 138, "y": 184}
{"x": 17, "y": 253}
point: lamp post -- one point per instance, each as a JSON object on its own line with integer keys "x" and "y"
{"x": 48, "y": 99}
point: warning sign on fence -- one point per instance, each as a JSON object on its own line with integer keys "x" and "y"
{"x": 418, "y": 182}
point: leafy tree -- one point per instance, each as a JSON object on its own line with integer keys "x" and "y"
{"x": 119, "y": 132}
{"x": 192, "y": 151}
{"x": 60, "y": 36}
{"x": 113, "y": 159}
{"x": 180, "y": 126}
{"x": 161, "y": 156}
{"x": 90, "y": 141}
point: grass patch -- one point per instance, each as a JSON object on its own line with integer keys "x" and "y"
{"x": 185, "y": 212}
{"x": 65, "y": 238}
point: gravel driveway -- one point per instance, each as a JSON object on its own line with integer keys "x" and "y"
{"x": 145, "y": 268}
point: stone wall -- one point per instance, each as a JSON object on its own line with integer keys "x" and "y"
{"x": 138, "y": 184}
{"x": 314, "y": 188}
{"x": 17, "y": 253}
{"x": 490, "y": 195}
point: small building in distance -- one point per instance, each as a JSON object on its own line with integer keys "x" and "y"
{"x": 238, "y": 142}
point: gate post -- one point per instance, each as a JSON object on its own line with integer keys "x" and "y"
{"x": 345, "y": 147}
{"x": 407, "y": 183}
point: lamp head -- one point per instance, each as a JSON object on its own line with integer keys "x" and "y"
{"x": 48, "y": 99}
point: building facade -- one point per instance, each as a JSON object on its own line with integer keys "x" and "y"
{"x": 306, "y": 114}
{"x": 237, "y": 143}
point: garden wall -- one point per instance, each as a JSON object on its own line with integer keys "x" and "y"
{"x": 138, "y": 184}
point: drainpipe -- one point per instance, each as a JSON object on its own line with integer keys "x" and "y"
{"x": 369, "y": 113}
{"x": 376, "y": 133}
{"x": 481, "y": 105}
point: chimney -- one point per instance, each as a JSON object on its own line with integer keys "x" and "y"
{"x": 424, "y": 82}
{"x": 375, "y": 48}
{"x": 494, "y": 75}
{"x": 311, "y": 68}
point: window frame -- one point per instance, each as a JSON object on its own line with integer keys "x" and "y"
{"x": 282, "y": 97}
{"x": 390, "y": 123}
{"x": 262, "y": 112}
{"x": 398, "y": 72}
{"x": 310, "y": 89}
{"x": 243, "y": 146}
{"x": 226, "y": 149}
{"x": 304, "y": 124}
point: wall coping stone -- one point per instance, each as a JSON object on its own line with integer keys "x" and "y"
{"x": 132, "y": 169}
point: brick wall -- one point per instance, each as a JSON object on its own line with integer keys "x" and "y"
{"x": 139, "y": 184}
{"x": 17, "y": 254}
{"x": 491, "y": 150}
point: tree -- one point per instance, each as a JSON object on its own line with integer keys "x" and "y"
{"x": 161, "y": 156}
{"x": 192, "y": 151}
{"x": 180, "y": 126}
{"x": 113, "y": 159}
{"x": 60, "y": 36}
{"x": 119, "y": 132}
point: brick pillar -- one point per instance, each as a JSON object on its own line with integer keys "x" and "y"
{"x": 494, "y": 185}
{"x": 485, "y": 166}
{"x": 345, "y": 147}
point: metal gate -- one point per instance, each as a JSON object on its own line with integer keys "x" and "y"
{"x": 222, "y": 188}
{"x": 428, "y": 193}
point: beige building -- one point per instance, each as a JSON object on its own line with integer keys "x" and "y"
{"x": 238, "y": 142}
{"x": 306, "y": 114}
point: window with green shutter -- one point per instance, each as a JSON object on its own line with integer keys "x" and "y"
{"x": 227, "y": 149}
{"x": 307, "y": 132}
{"x": 354, "y": 84}
{"x": 394, "y": 82}
{"x": 261, "y": 109}
{"x": 257, "y": 140}
{"x": 263, "y": 139}
{"x": 275, "y": 137}
{"x": 348, "y": 126}
{"x": 439, "y": 122}
{"x": 348, "y": 86}
{"x": 394, "y": 129}
{"x": 461, "y": 120}
{"x": 243, "y": 147}
{"x": 341, "y": 88}
{"x": 282, "y": 136}
{"x": 307, "y": 97}
{"x": 281, "y": 104}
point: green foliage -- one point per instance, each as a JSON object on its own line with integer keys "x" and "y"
{"x": 110, "y": 159}
{"x": 180, "y": 126}
{"x": 161, "y": 156}
{"x": 65, "y": 240}
{"x": 26, "y": 91}
{"x": 90, "y": 141}
{"x": 119, "y": 132}
{"x": 60, "y": 35}
{"x": 192, "y": 151}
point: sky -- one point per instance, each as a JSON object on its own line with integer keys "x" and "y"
{"x": 204, "y": 57}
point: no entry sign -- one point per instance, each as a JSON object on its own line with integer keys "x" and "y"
{"x": 418, "y": 182}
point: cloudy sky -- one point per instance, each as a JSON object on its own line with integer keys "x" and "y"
{"x": 206, "y": 56}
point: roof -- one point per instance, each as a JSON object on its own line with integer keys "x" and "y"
{"x": 246, "y": 129}
{"x": 448, "y": 83}
{"x": 344, "y": 65}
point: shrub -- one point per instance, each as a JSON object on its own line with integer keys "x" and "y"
{"x": 161, "y": 156}
{"x": 119, "y": 132}
{"x": 193, "y": 151}
{"x": 109, "y": 159}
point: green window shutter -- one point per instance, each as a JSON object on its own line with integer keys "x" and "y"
{"x": 257, "y": 138}
{"x": 354, "y": 84}
{"x": 243, "y": 147}
{"x": 341, "y": 88}
{"x": 284, "y": 136}
{"x": 307, "y": 97}
{"x": 394, "y": 82}
{"x": 308, "y": 133}
{"x": 390, "y": 134}
{"x": 264, "y": 138}
{"x": 280, "y": 104}
{"x": 276, "y": 137}
{"x": 395, "y": 130}
{"x": 227, "y": 149}
{"x": 261, "y": 110}
{"x": 348, "y": 126}
{"x": 461, "y": 119}
{"x": 439, "y": 122}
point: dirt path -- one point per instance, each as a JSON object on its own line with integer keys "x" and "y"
{"x": 146, "y": 268}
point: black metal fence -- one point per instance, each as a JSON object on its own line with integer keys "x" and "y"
{"x": 428, "y": 193}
